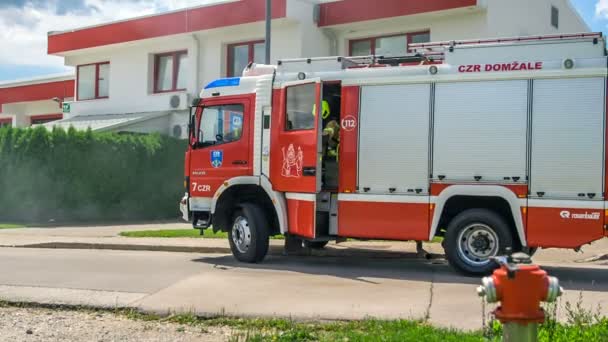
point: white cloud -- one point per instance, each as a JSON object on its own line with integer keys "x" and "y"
{"x": 601, "y": 8}
{"x": 23, "y": 29}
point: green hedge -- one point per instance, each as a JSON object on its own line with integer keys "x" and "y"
{"x": 78, "y": 176}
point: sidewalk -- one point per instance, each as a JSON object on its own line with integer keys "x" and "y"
{"x": 107, "y": 237}
{"x": 358, "y": 279}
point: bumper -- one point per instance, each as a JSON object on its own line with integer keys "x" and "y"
{"x": 183, "y": 207}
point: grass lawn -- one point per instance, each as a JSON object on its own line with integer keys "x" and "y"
{"x": 176, "y": 233}
{"x": 194, "y": 233}
{"x": 581, "y": 325}
{"x": 10, "y": 226}
{"x": 436, "y": 239}
{"x": 181, "y": 233}
{"x": 368, "y": 330}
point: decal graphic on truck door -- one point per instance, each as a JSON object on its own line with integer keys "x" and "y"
{"x": 292, "y": 162}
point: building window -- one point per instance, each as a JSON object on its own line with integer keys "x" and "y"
{"x": 387, "y": 46}
{"x": 170, "y": 71}
{"x": 93, "y": 81}
{"x": 42, "y": 119}
{"x": 239, "y": 55}
{"x": 554, "y": 17}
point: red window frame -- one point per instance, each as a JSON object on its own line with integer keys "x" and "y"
{"x": 229, "y": 55}
{"x": 373, "y": 39}
{"x": 97, "y": 97}
{"x": 41, "y": 119}
{"x": 6, "y": 122}
{"x": 174, "y": 76}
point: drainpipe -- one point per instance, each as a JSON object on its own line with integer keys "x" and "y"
{"x": 327, "y": 32}
{"x": 197, "y": 45}
{"x": 333, "y": 41}
{"x": 268, "y": 40}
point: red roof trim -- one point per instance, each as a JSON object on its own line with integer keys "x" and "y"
{"x": 44, "y": 118}
{"x": 36, "y": 92}
{"x": 188, "y": 20}
{"x": 348, "y": 11}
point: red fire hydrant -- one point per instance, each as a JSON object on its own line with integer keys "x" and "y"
{"x": 520, "y": 287}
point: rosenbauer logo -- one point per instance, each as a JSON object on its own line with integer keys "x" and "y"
{"x": 500, "y": 67}
{"x": 565, "y": 214}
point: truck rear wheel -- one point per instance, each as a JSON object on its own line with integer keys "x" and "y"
{"x": 248, "y": 235}
{"x": 473, "y": 237}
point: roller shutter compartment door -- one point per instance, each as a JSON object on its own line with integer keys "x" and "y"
{"x": 567, "y": 137}
{"x": 480, "y": 130}
{"x": 394, "y": 139}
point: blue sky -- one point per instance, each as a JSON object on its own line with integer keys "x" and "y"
{"x": 587, "y": 10}
{"x": 24, "y": 25}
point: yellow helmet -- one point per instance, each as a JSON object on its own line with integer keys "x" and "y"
{"x": 326, "y": 111}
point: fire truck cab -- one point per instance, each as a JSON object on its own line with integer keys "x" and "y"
{"x": 490, "y": 144}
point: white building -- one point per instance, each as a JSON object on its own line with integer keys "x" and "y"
{"x": 140, "y": 75}
{"x": 34, "y": 101}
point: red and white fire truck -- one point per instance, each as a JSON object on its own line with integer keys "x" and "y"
{"x": 491, "y": 144}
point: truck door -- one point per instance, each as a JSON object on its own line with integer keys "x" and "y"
{"x": 295, "y": 157}
{"x": 223, "y": 148}
{"x": 566, "y": 203}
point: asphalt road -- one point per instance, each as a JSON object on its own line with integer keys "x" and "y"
{"x": 300, "y": 287}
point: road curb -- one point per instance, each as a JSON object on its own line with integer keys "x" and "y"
{"x": 274, "y": 250}
{"x": 599, "y": 257}
{"x": 129, "y": 247}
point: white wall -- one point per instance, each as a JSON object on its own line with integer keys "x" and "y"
{"x": 131, "y": 76}
{"x": 496, "y": 18}
{"x": 312, "y": 40}
{"x": 448, "y": 25}
{"x": 525, "y": 17}
{"x": 23, "y": 111}
{"x": 214, "y": 45}
{"x": 132, "y": 64}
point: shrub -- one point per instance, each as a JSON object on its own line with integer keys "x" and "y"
{"x": 81, "y": 175}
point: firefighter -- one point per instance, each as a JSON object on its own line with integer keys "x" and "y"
{"x": 325, "y": 110}
{"x": 330, "y": 143}
{"x": 331, "y": 134}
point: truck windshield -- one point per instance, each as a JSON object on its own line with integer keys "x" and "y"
{"x": 221, "y": 124}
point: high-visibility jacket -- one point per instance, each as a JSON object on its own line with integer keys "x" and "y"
{"x": 325, "y": 110}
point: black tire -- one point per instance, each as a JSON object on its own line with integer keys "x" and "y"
{"x": 254, "y": 246}
{"x": 481, "y": 227}
{"x": 315, "y": 244}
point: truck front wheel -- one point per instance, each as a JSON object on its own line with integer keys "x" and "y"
{"x": 248, "y": 235}
{"x": 475, "y": 236}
